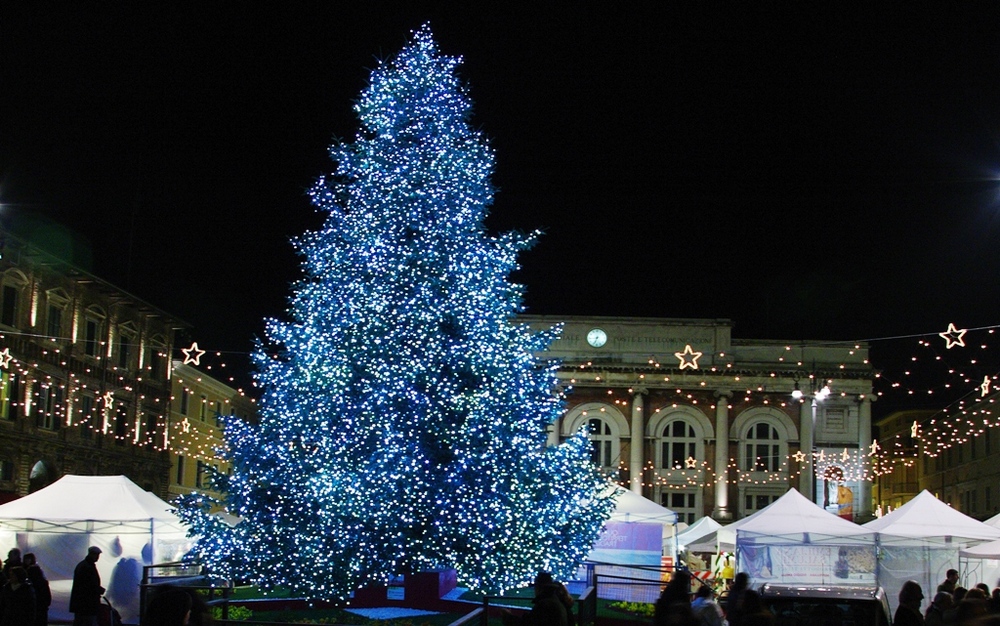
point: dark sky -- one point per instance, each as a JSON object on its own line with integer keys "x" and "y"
{"x": 808, "y": 172}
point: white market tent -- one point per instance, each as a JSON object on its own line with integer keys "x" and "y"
{"x": 794, "y": 541}
{"x": 922, "y": 539}
{"x": 632, "y": 544}
{"x": 133, "y": 528}
{"x": 698, "y": 532}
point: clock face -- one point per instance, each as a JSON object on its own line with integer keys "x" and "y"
{"x": 597, "y": 337}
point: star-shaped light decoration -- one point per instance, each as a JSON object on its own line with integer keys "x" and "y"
{"x": 192, "y": 355}
{"x": 799, "y": 456}
{"x": 874, "y": 448}
{"x": 109, "y": 400}
{"x": 915, "y": 429}
{"x": 685, "y": 361}
{"x": 953, "y": 336}
{"x": 185, "y": 425}
{"x": 984, "y": 388}
{"x": 822, "y": 456}
{"x": 844, "y": 455}
{"x": 5, "y": 358}
{"x": 690, "y": 462}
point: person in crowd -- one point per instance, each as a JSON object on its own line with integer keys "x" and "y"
{"x": 753, "y": 612}
{"x": 950, "y": 581}
{"x": 995, "y": 600}
{"x": 734, "y": 601}
{"x": 971, "y": 608}
{"x": 85, "y": 595}
{"x": 985, "y": 588}
{"x": 17, "y": 599}
{"x": 908, "y": 612}
{"x": 13, "y": 560}
{"x": 546, "y": 608}
{"x": 43, "y": 595}
{"x": 564, "y": 596}
{"x": 941, "y": 603}
{"x": 958, "y": 596}
{"x": 168, "y": 606}
{"x": 705, "y": 609}
{"x": 675, "y": 598}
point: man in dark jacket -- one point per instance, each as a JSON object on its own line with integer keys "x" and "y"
{"x": 547, "y": 609}
{"x": 85, "y": 597}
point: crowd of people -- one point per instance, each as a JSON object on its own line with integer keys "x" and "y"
{"x": 952, "y": 604}
{"x": 741, "y": 607}
{"x": 25, "y": 596}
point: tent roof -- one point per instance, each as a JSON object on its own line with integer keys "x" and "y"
{"x": 993, "y": 521}
{"x": 102, "y": 501}
{"x": 988, "y": 550}
{"x": 925, "y": 516}
{"x": 631, "y": 507}
{"x": 793, "y": 513}
{"x": 698, "y": 531}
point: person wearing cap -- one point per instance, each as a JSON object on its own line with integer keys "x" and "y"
{"x": 546, "y": 610}
{"x": 85, "y": 596}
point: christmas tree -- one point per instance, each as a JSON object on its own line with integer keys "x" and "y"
{"x": 404, "y": 412}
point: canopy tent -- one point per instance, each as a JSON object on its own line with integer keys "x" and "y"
{"x": 697, "y": 532}
{"x": 133, "y": 528}
{"x": 632, "y": 544}
{"x": 980, "y": 563}
{"x": 794, "y": 541}
{"x": 993, "y": 521}
{"x": 921, "y": 540}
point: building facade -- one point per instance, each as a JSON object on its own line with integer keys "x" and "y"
{"x": 704, "y": 424}
{"x": 84, "y": 376}
{"x": 196, "y": 436}
{"x": 954, "y": 455}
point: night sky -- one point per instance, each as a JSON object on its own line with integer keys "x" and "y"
{"x": 809, "y": 173}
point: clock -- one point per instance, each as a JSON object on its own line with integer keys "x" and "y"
{"x": 597, "y": 337}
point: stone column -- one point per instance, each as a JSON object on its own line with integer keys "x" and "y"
{"x": 807, "y": 417}
{"x": 635, "y": 461}
{"x": 721, "y": 510}
{"x": 863, "y": 503}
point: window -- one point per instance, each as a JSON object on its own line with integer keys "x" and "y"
{"x": 124, "y": 343}
{"x": 10, "y": 395}
{"x": 204, "y": 408}
{"x": 682, "y": 503}
{"x": 184, "y": 402}
{"x": 156, "y": 357}
{"x": 121, "y": 426}
{"x": 86, "y": 416}
{"x": 180, "y": 469}
{"x": 50, "y": 407}
{"x": 55, "y": 312}
{"x": 763, "y": 451}
{"x": 149, "y": 436}
{"x": 8, "y": 314}
{"x": 601, "y": 442}
{"x": 93, "y": 330}
{"x": 677, "y": 445}
{"x": 6, "y": 470}
{"x": 753, "y": 502}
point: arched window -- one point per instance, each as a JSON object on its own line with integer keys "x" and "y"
{"x": 601, "y": 442}
{"x": 763, "y": 448}
{"x": 11, "y": 297}
{"x": 677, "y": 444}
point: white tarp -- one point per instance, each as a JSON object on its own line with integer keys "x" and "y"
{"x": 794, "y": 541}
{"x": 132, "y": 526}
{"x": 921, "y": 540}
{"x": 697, "y": 532}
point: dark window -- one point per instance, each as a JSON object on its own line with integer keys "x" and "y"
{"x": 121, "y": 427}
{"x": 124, "y": 351}
{"x": 11, "y": 395}
{"x": 49, "y": 408}
{"x": 6, "y": 470}
{"x": 8, "y": 313}
{"x": 54, "y": 321}
{"x": 184, "y": 401}
{"x": 180, "y": 469}
{"x": 90, "y": 338}
{"x": 87, "y": 420}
